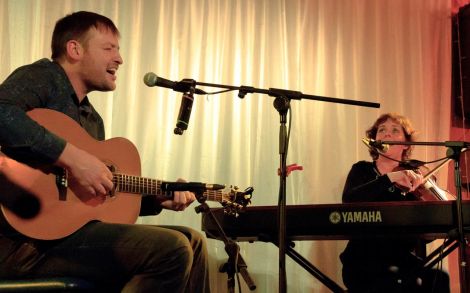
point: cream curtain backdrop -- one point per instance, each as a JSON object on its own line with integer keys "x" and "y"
{"x": 393, "y": 52}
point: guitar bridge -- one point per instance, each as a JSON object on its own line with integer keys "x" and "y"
{"x": 61, "y": 181}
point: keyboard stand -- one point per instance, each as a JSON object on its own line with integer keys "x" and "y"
{"x": 315, "y": 272}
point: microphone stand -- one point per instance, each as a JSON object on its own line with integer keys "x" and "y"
{"x": 282, "y": 104}
{"x": 235, "y": 262}
{"x": 454, "y": 149}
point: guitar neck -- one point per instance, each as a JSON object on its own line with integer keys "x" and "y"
{"x": 148, "y": 186}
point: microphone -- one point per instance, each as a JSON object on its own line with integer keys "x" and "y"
{"x": 151, "y": 79}
{"x": 184, "y": 114}
{"x": 376, "y": 144}
{"x": 17, "y": 200}
{"x": 189, "y": 186}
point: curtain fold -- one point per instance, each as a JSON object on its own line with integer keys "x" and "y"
{"x": 392, "y": 52}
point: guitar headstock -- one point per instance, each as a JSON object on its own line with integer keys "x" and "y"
{"x": 235, "y": 201}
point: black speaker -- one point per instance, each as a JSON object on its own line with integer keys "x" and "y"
{"x": 461, "y": 65}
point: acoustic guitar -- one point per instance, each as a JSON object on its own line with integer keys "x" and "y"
{"x": 62, "y": 212}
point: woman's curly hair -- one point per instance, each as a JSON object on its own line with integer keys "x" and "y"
{"x": 410, "y": 133}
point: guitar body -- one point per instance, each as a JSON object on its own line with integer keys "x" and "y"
{"x": 62, "y": 212}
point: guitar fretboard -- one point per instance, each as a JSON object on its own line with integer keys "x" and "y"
{"x": 137, "y": 184}
{"x": 148, "y": 186}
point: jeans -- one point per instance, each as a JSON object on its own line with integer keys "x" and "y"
{"x": 116, "y": 257}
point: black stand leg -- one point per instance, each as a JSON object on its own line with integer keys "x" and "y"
{"x": 440, "y": 253}
{"x": 454, "y": 151}
{"x": 314, "y": 271}
{"x": 235, "y": 263}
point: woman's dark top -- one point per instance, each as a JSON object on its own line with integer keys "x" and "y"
{"x": 374, "y": 256}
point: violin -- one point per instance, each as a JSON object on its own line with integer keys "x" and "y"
{"x": 429, "y": 190}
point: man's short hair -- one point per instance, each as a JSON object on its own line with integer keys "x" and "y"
{"x": 74, "y": 27}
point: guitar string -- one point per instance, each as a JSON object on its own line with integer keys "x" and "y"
{"x": 131, "y": 183}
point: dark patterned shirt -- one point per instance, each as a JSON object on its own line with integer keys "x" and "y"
{"x": 42, "y": 84}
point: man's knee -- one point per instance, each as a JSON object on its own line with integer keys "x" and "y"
{"x": 184, "y": 252}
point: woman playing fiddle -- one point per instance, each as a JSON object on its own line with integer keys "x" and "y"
{"x": 386, "y": 265}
